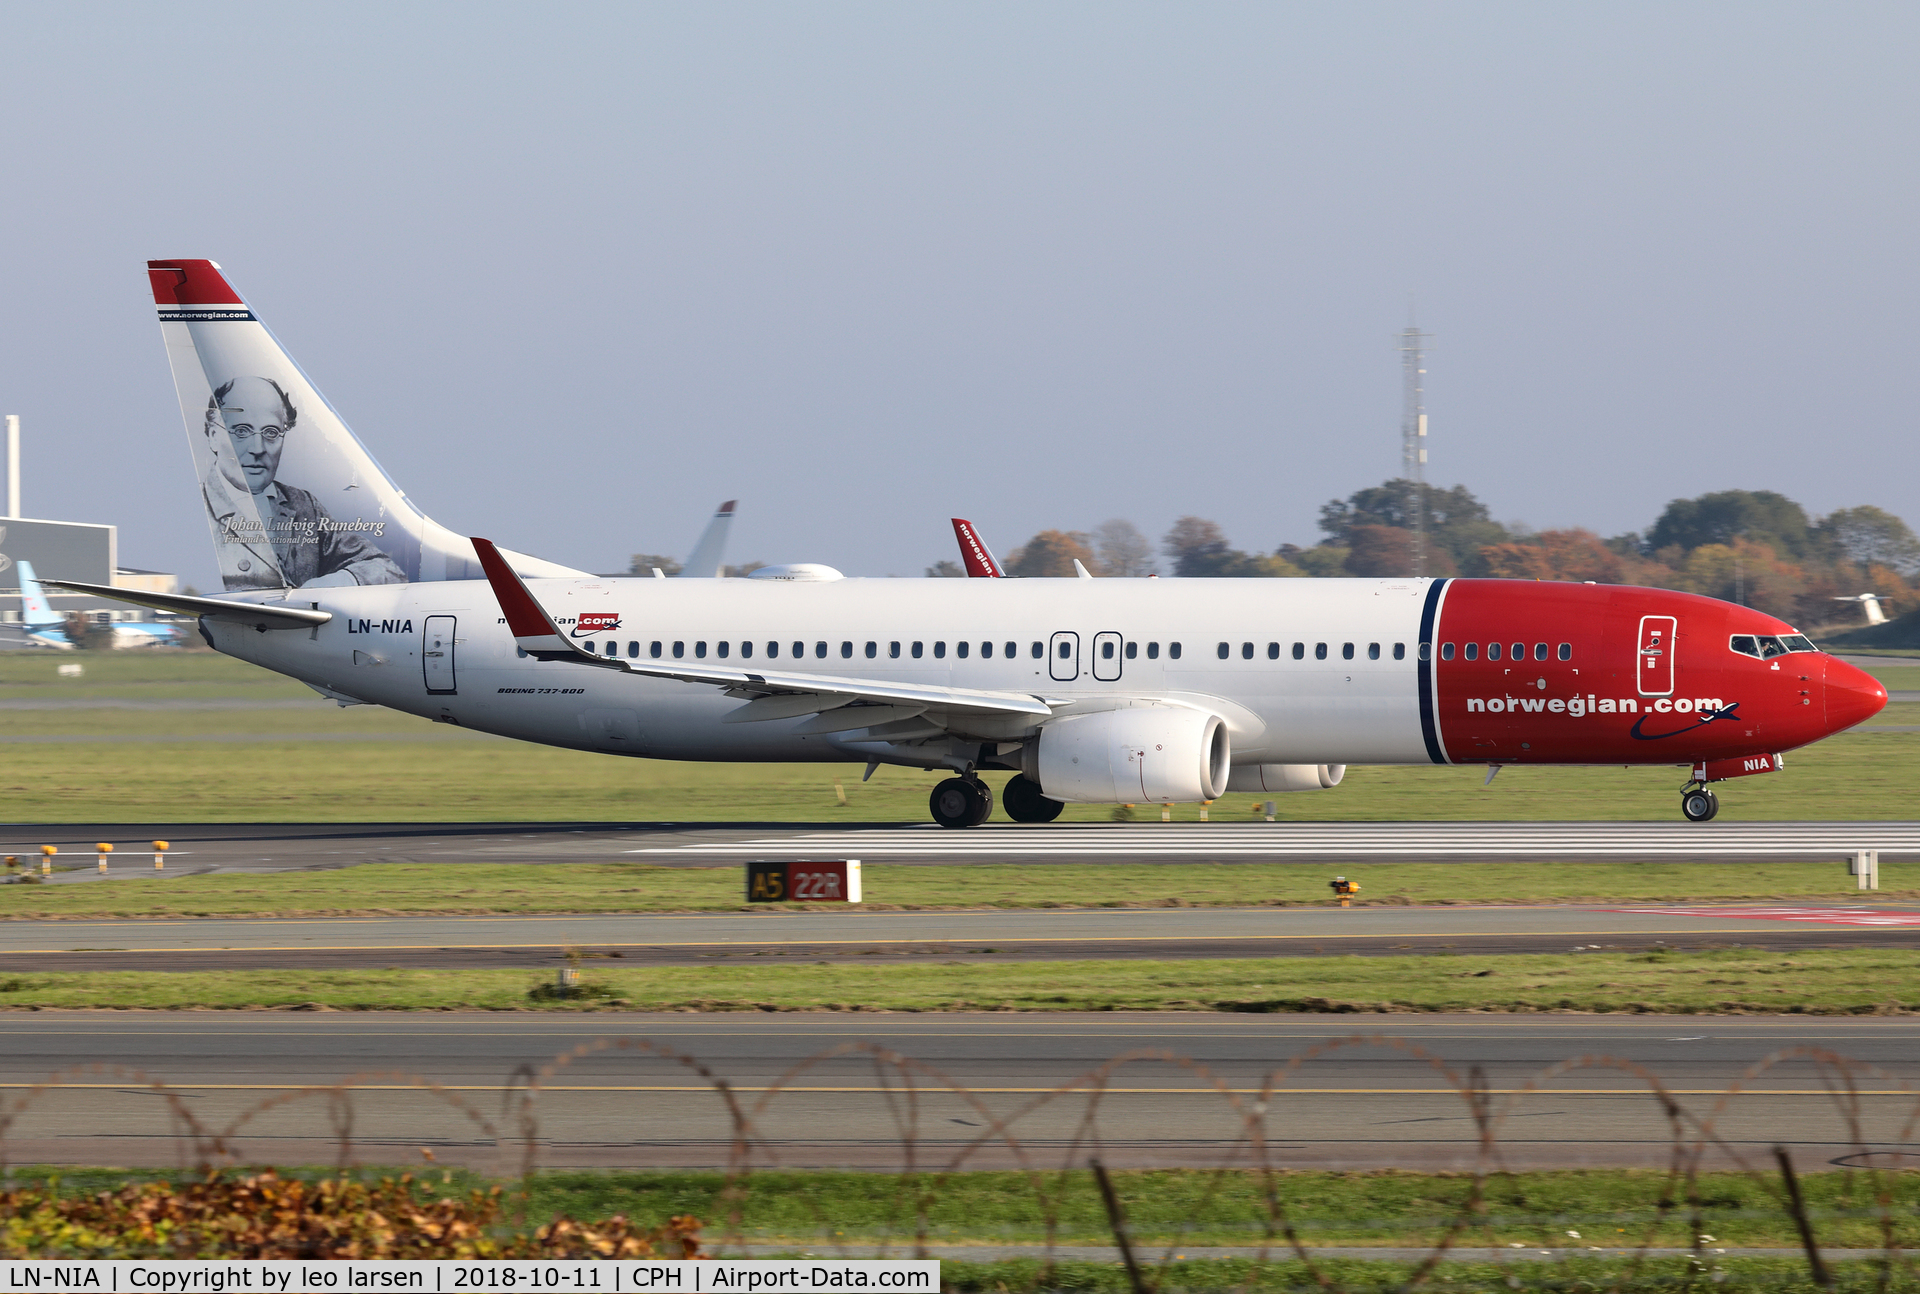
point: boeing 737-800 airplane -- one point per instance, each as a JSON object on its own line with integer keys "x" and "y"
{"x": 1093, "y": 691}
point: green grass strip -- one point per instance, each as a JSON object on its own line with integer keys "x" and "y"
{"x": 487, "y": 888}
{"x": 1816, "y": 981}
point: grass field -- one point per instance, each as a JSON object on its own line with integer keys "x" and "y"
{"x": 320, "y": 763}
{"x": 820, "y": 1209}
{"x": 480, "y": 888}
{"x": 1818, "y": 981}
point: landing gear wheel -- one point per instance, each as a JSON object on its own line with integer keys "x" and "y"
{"x": 1022, "y": 800}
{"x": 1699, "y": 805}
{"x": 961, "y": 802}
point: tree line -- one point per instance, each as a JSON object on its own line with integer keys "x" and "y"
{"x": 1754, "y": 547}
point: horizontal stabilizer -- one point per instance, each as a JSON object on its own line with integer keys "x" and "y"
{"x": 262, "y": 615}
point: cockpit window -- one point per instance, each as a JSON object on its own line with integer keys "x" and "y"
{"x": 1766, "y": 647}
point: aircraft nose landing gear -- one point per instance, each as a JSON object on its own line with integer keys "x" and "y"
{"x": 1698, "y": 804}
{"x": 961, "y": 802}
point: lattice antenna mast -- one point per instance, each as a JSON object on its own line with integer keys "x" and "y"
{"x": 1413, "y": 435}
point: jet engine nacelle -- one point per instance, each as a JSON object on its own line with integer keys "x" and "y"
{"x": 1144, "y": 754}
{"x": 1286, "y": 777}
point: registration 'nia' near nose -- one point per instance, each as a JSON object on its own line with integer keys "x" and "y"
{"x": 1852, "y": 695}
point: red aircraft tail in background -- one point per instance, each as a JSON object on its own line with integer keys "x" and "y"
{"x": 979, "y": 559}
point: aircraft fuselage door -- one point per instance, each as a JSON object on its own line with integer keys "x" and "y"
{"x": 436, "y": 655}
{"x": 1106, "y": 657}
{"x": 1655, "y": 655}
{"x": 1063, "y": 657}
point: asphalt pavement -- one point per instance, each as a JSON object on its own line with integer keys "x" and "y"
{"x": 972, "y": 1090}
{"x": 269, "y": 847}
{"x": 991, "y": 935}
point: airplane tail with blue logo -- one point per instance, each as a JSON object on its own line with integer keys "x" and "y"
{"x": 43, "y": 624}
{"x": 293, "y": 499}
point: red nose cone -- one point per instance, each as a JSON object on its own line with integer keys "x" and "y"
{"x": 1853, "y": 695}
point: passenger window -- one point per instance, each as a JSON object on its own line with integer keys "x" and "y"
{"x": 820, "y": 651}
{"x": 846, "y": 651}
{"x": 1133, "y": 651}
{"x": 746, "y": 651}
{"x": 1153, "y": 651}
{"x": 916, "y": 651}
{"x": 939, "y": 651}
{"x": 1519, "y": 651}
{"x": 1106, "y": 651}
{"x": 1744, "y": 645}
{"x": 1446, "y": 651}
{"x": 1246, "y": 651}
{"x": 653, "y": 650}
{"x": 773, "y": 650}
{"x": 960, "y": 649}
{"x": 1373, "y": 651}
{"x": 1399, "y": 651}
{"x": 723, "y": 648}
{"x": 1539, "y": 651}
{"x": 1299, "y": 651}
{"x": 1013, "y": 649}
{"x": 1273, "y": 651}
{"x": 679, "y": 650}
{"x": 873, "y": 649}
{"x": 613, "y": 649}
{"x": 633, "y": 651}
{"x": 1173, "y": 651}
{"x": 700, "y": 650}
{"x": 1319, "y": 651}
{"x": 1346, "y": 651}
{"x": 799, "y": 651}
{"x": 1222, "y": 650}
{"x": 1065, "y": 651}
{"x": 986, "y": 651}
{"x": 1038, "y": 651}
{"x": 1426, "y": 651}
{"x": 893, "y": 651}
{"x": 1472, "y": 651}
{"x": 1493, "y": 651}
{"x": 1566, "y": 651}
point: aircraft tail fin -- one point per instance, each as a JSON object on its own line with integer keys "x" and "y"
{"x": 36, "y": 613}
{"x": 292, "y": 497}
{"x": 706, "y": 561}
{"x": 979, "y": 559}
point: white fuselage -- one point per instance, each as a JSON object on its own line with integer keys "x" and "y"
{"x": 1328, "y": 709}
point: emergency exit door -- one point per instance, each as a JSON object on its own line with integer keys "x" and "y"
{"x": 1106, "y": 657}
{"x": 1063, "y": 657}
{"x": 1656, "y": 655}
{"x": 436, "y": 655}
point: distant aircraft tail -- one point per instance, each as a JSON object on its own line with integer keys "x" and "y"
{"x": 979, "y": 559}
{"x": 37, "y": 615}
{"x": 706, "y": 561}
{"x": 292, "y": 497}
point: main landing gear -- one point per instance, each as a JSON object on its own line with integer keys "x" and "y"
{"x": 961, "y": 802}
{"x": 1022, "y": 800}
{"x": 1697, "y": 803}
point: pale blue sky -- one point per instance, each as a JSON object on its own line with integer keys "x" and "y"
{"x": 577, "y": 272}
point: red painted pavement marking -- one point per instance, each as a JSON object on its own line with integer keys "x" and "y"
{"x": 1829, "y": 916}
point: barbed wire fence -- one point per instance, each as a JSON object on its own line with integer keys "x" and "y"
{"x": 905, "y": 1090}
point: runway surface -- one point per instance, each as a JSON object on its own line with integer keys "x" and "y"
{"x": 635, "y": 1103}
{"x": 255, "y": 847}
{"x": 1047, "y": 935}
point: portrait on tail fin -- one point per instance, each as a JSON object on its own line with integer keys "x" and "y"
{"x": 283, "y": 527}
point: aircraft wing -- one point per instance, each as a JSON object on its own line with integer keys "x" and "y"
{"x": 262, "y": 615}
{"x": 774, "y": 694}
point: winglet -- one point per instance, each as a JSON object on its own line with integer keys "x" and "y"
{"x": 979, "y": 559}
{"x": 532, "y": 628}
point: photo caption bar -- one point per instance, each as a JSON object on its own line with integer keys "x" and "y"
{"x": 601, "y": 1276}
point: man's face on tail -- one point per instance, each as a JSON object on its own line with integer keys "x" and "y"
{"x": 258, "y": 421}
